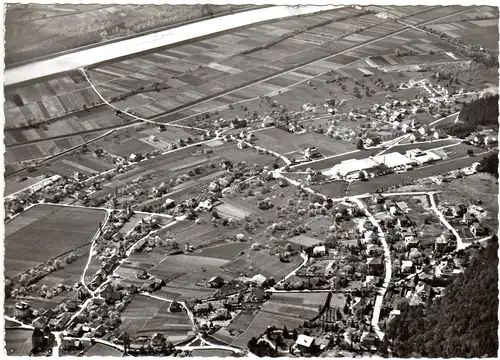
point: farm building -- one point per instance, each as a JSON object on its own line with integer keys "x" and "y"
{"x": 259, "y": 279}
{"x": 422, "y": 157}
{"x": 319, "y": 250}
{"x": 22, "y": 310}
{"x": 393, "y": 160}
{"x": 304, "y": 343}
{"x": 216, "y": 282}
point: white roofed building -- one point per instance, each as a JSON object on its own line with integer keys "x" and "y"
{"x": 351, "y": 166}
{"x": 393, "y": 160}
{"x": 422, "y": 157}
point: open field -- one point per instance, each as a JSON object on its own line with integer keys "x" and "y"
{"x": 46, "y": 148}
{"x": 311, "y": 300}
{"x": 12, "y": 186}
{"x": 58, "y": 228}
{"x": 284, "y": 143}
{"x": 212, "y": 353}
{"x": 146, "y": 316}
{"x": 102, "y": 350}
{"x": 264, "y": 319}
{"x": 224, "y": 251}
{"x": 18, "y": 342}
{"x": 71, "y": 273}
{"x": 238, "y": 69}
{"x": 260, "y": 262}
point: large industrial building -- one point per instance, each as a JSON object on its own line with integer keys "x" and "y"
{"x": 422, "y": 157}
{"x": 351, "y": 168}
{"x": 394, "y": 160}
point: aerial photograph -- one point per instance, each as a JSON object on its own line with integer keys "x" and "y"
{"x": 248, "y": 180}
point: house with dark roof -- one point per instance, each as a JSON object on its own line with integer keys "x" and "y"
{"x": 375, "y": 265}
{"x": 216, "y": 282}
{"x": 238, "y": 124}
{"x": 157, "y": 340}
{"x": 40, "y": 322}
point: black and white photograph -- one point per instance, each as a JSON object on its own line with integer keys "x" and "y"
{"x": 250, "y": 179}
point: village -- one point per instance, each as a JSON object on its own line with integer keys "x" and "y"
{"x": 295, "y": 222}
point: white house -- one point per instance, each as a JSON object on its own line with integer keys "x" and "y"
{"x": 319, "y": 250}
{"x": 259, "y": 279}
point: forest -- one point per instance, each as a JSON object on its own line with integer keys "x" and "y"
{"x": 463, "y": 323}
{"x": 489, "y": 164}
{"x": 475, "y": 114}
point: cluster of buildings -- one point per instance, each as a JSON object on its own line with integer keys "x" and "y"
{"x": 355, "y": 169}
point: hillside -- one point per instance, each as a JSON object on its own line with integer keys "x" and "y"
{"x": 475, "y": 114}
{"x": 463, "y": 323}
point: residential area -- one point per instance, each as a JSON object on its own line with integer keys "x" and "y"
{"x": 296, "y": 187}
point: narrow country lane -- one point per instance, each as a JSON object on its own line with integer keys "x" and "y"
{"x": 388, "y": 270}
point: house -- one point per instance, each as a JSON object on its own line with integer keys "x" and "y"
{"x": 256, "y": 295}
{"x": 142, "y": 274}
{"x": 221, "y": 314}
{"x": 22, "y": 310}
{"x": 311, "y": 153}
{"x": 478, "y": 230}
{"x": 111, "y": 295}
{"x": 406, "y": 266}
{"x": 40, "y": 322}
{"x": 410, "y": 239}
{"x": 77, "y": 330}
{"x": 370, "y": 341}
{"x": 468, "y": 219}
{"x": 157, "y": 340}
{"x": 375, "y": 264}
{"x": 238, "y": 124}
{"x": 441, "y": 242}
{"x": 60, "y": 321}
{"x": 259, "y": 279}
{"x": 100, "y": 330}
{"x": 267, "y": 122}
{"x": 242, "y": 145}
{"x": 202, "y": 308}
{"x": 130, "y": 290}
{"x": 403, "y": 222}
{"x": 232, "y": 302}
{"x": 175, "y": 307}
{"x": 216, "y": 282}
{"x": 304, "y": 342}
{"x": 319, "y": 250}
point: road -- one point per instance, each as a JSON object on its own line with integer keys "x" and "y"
{"x": 111, "y": 51}
{"x": 460, "y": 243}
{"x": 388, "y": 270}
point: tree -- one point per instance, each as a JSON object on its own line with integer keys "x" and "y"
{"x": 360, "y": 145}
{"x": 489, "y": 164}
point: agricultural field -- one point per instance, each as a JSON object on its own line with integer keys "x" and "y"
{"x": 60, "y": 228}
{"x": 44, "y": 149}
{"x": 290, "y": 145}
{"x": 18, "y": 342}
{"x": 102, "y": 350}
{"x": 212, "y": 353}
{"x": 478, "y": 27}
{"x": 147, "y": 316}
{"x": 31, "y": 25}
{"x": 264, "y": 319}
{"x": 261, "y": 262}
